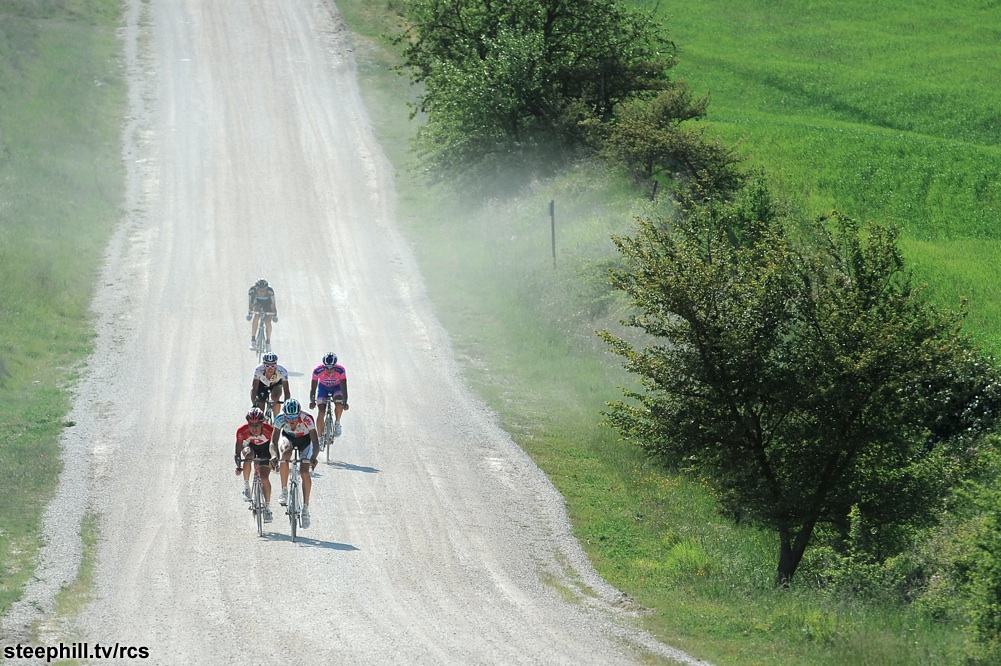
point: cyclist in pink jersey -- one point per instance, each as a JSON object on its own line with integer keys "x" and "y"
{"x": 330, "y": 384}
{"x": 295, "y": 429}
{"x": 253, "y": 440}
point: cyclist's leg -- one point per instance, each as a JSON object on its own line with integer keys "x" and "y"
{"x": 276, "y": 395}
{"x": 247, "y": 453}
{"x": 262, "y": 451}
{"x": 267, "y": 327}
{"x": 285, "y": 452}
{"x": 253, "y": 324}
{"x": 321, "y": 411}
{"x": 304, "y": 475}
{"x": 261, "y": 401}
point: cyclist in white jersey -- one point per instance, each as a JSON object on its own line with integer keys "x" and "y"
{"x": 270, "y": 381}
{"x": 295, "y": 429}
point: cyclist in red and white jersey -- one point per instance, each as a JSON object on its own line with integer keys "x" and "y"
{"x": 270, "y": 380}
{"x": 253, "y": 440}
{"x": 330, "y": 384}
{"x": 297, "y": 430}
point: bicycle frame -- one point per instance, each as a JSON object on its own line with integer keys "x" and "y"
{"x": 259, "y": 345}
{"x": 294, "y": 506}
{"x": 257, "y": 495}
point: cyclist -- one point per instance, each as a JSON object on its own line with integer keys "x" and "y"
{"x": 270, "y": 381}
{"x": 261, "y": 301}
{"x": 252, "y": 441}
{"x": 296, "y": 429}
{"x": 330, "y": 384}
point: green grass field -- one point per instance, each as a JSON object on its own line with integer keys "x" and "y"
{"x": 884, "y": 110}
{"x": 61, "y": 109}
{"x": 835, "y": 103}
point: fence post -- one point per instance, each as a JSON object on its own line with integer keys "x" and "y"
{"x": 552, "y": 226}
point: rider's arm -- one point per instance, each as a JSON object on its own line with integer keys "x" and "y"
{"x": 274, "y": 442}
{"x": 312, "y": 391}
{"x": 274, "y": 304}
{"x": 253, "y": 390}
{"x": 344, "y": 391}
{"x": 287, "y": 390}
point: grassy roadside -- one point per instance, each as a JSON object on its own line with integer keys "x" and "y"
{"x": 62, "y": 98}
{"x": 524, "y": 332}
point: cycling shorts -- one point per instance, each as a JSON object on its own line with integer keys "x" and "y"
{"x": 259, "y": 450}
{"x": 264, "y": 392}
{"x": 302, "y": 442}
{"x": 328, "y": 393}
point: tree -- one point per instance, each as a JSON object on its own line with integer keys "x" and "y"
{"x": 505, "y": 76}
{"x": 804, "y": 379}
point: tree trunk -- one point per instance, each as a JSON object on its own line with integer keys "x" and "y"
{"x": 791, "y": 552}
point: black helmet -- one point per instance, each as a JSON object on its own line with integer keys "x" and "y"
{"x": 261, "y": 284}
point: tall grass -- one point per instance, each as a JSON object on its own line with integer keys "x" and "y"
{"x": 61, "y": 108}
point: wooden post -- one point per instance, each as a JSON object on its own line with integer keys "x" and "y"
{"x": 552, "y": 226}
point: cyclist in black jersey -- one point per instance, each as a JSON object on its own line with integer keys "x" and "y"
{"x": 261, "y": 300}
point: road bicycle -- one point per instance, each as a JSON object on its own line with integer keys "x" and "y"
{"x": 327, "y": 441}
{"x": 257, "y": 504}
{"x": 260, "y": 346}
{"x": 294, "y": 507}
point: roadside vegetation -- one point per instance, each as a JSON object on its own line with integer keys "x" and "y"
{"x": 841, "y": 109}
{"x": 62, "y": 101}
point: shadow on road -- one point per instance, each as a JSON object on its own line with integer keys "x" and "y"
{"x": 340, "y": 464}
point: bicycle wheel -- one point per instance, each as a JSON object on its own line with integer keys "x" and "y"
{"x": 293, "y": 504}
{"x": 257, "y": 498}
{"x": 328, "y": 433}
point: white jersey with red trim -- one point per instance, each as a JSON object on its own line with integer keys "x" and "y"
{"x": 297, "y": 428}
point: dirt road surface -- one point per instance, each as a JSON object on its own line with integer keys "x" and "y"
{"x": 434, "y": 539}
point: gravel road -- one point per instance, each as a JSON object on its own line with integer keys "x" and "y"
{"x": 434, "y": 539}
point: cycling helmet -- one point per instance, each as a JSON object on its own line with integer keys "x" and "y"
{"x": 291, "y": 408}
{"x": 329, "y": 360}
{"x": 261, "y": 284}
{"x": 270, "y": 358}
{"x": 255, "y": 415}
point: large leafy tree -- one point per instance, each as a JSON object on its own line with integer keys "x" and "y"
{"x": 500, "y": 76}
{"x": 805, "y": 380}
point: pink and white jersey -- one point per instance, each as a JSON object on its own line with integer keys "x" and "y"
{"x": 244, "y": 437}
{"x": 329, "y": 378}
{"x": 280, "y": 375}
{"x": 297, "y": 429}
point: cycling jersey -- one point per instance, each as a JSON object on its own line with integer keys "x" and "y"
{"x": 330, "y": 378}
{"x": 280, "y": 375}
{"x": 247, "y": 438}
{"x": 299, "y": 428}
{"x": 262, "y": 303}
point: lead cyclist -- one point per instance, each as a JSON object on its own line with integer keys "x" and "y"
{"x": 295, "y": 429}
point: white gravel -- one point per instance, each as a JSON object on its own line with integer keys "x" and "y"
{"x": 435, "y": 539}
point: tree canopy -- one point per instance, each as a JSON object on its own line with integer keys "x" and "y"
{"x": 503, "y": 76}
{"x": 805, "y": 379}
